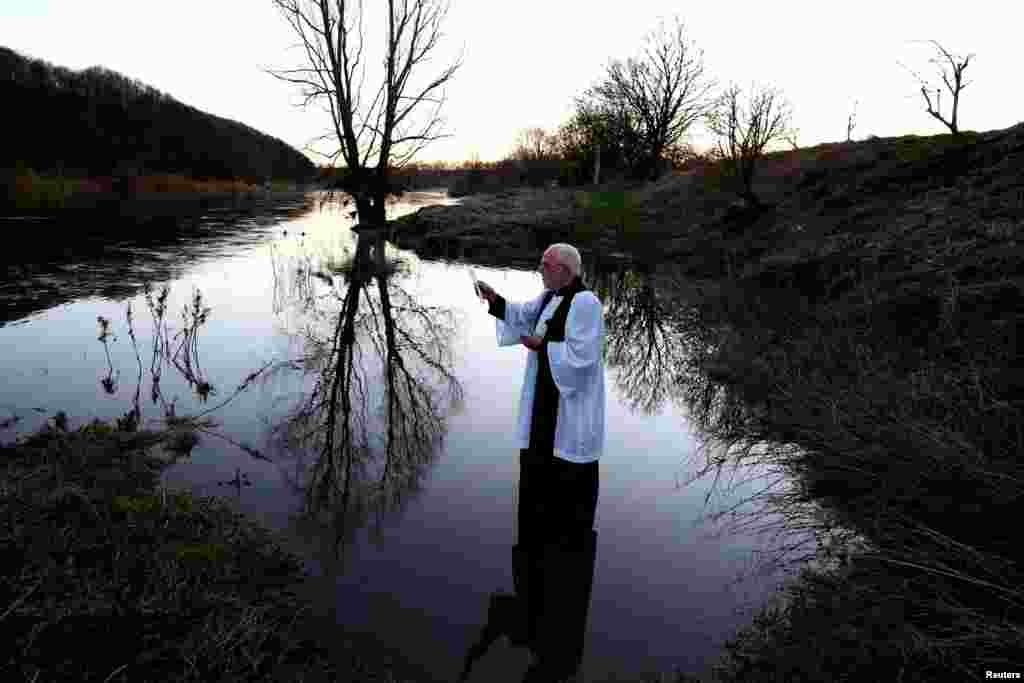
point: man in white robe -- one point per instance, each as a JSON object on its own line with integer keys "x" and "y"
{"x": 562, "y": 401}
{"x": 560, "y": 433}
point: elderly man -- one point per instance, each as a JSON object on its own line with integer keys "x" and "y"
{"x": 560, "y": 436}
{"x": 561, "y": 406}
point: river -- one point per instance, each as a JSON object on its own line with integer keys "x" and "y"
{"x": 426, "y": 539}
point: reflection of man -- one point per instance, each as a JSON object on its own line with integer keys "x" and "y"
{"x": 560, "y": 434}
{"x": 547, "y": 612}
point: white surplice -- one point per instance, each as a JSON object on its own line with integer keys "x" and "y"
{"x": 577, "y": 367}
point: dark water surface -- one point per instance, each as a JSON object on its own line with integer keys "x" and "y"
{"x": 428, "y": 524}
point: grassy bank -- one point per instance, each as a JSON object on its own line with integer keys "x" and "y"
{"x": 107, "y": 576}
{"x": 866, "y": 324}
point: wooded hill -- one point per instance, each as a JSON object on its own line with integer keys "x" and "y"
{"x": 97, "y": 122}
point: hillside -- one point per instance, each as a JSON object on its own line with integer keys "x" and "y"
{"x": 97, "y": 122}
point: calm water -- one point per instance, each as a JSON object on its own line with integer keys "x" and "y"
{"x": 427, "y": 537}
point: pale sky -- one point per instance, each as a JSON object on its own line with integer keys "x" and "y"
{"x": 524, "y": 61}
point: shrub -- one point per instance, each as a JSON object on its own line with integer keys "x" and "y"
{"x": 33, "y": 191}
{"x": 199, "y": 552}
{"x": 570, "y": 174}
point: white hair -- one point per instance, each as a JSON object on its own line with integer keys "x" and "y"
{"x": 568, "y": 256}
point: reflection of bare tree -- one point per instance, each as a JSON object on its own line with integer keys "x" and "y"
{"x": 646, "y": 341}
{"x": 662, "y": 350}
{"x": 750, "y": 474}
{"x": 368, "y": 465}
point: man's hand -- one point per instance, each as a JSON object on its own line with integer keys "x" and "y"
{"x": 486, "y": 291}
{"x": 534, "y": 343}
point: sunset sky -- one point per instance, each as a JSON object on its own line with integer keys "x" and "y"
{"x": 523, "y": 62}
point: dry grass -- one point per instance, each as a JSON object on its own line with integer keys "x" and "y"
{"x": 878, "y": 368}
{"x": 856, "y": 339}
{"x": 108, "y": 577}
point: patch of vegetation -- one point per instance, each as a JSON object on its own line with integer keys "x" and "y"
{"x": 29, "y": 191}
{"x": 615, "y": 211}
{"x": 868, "y": 349}
{"x": 108, "y": 576}
{"x": 33, "y": 191}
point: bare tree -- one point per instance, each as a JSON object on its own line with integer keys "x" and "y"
{"x": 744, "y": 127}
{"x": 661, "y": 93}
{"x": 383, "y": 130}
{"x": 951, "y": 70}
{"x": 792, "y": 138}
{"x": 533, "y": 144}
{"x": 851, "y": 122}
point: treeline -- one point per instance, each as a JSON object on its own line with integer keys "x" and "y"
{"x": 97, "y": 122}
{"x": 463, "y": 177}
{"x": 631, "y": 124}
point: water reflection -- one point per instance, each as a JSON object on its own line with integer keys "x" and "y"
{"x": 64, "y": 259}
{"x": 429, "y": 582}
{"x": 661, "y": 350}
{"x": 649, "y": 330}
{"x": 647, "y": 340}
{"x": 369, "y": 434}
{"x": 553, "y": 576}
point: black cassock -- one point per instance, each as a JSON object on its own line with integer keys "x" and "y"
{"x": 556, "y": 497}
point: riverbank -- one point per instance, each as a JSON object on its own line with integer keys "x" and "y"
{"x": 509, "y": 227}
{"x": 96, "y": 551}
{"x": 108, "y": 576}
{"x": 146, "y": 206}
{"x": 863, "y": 322}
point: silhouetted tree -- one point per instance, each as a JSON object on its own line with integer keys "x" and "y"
{"x": 792, "y": 138}
{"x": 332, "y": 35}
{"x": 744, "y": 127}
{"x": 658, "y": 96}
{"x": 534, "y": 144}
{"x": 599, "y": 131}
{"x": 536, "y": 156}
{"x": 951, "y": 70}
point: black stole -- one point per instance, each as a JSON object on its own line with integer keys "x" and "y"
{"x": 545, "y": 398}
